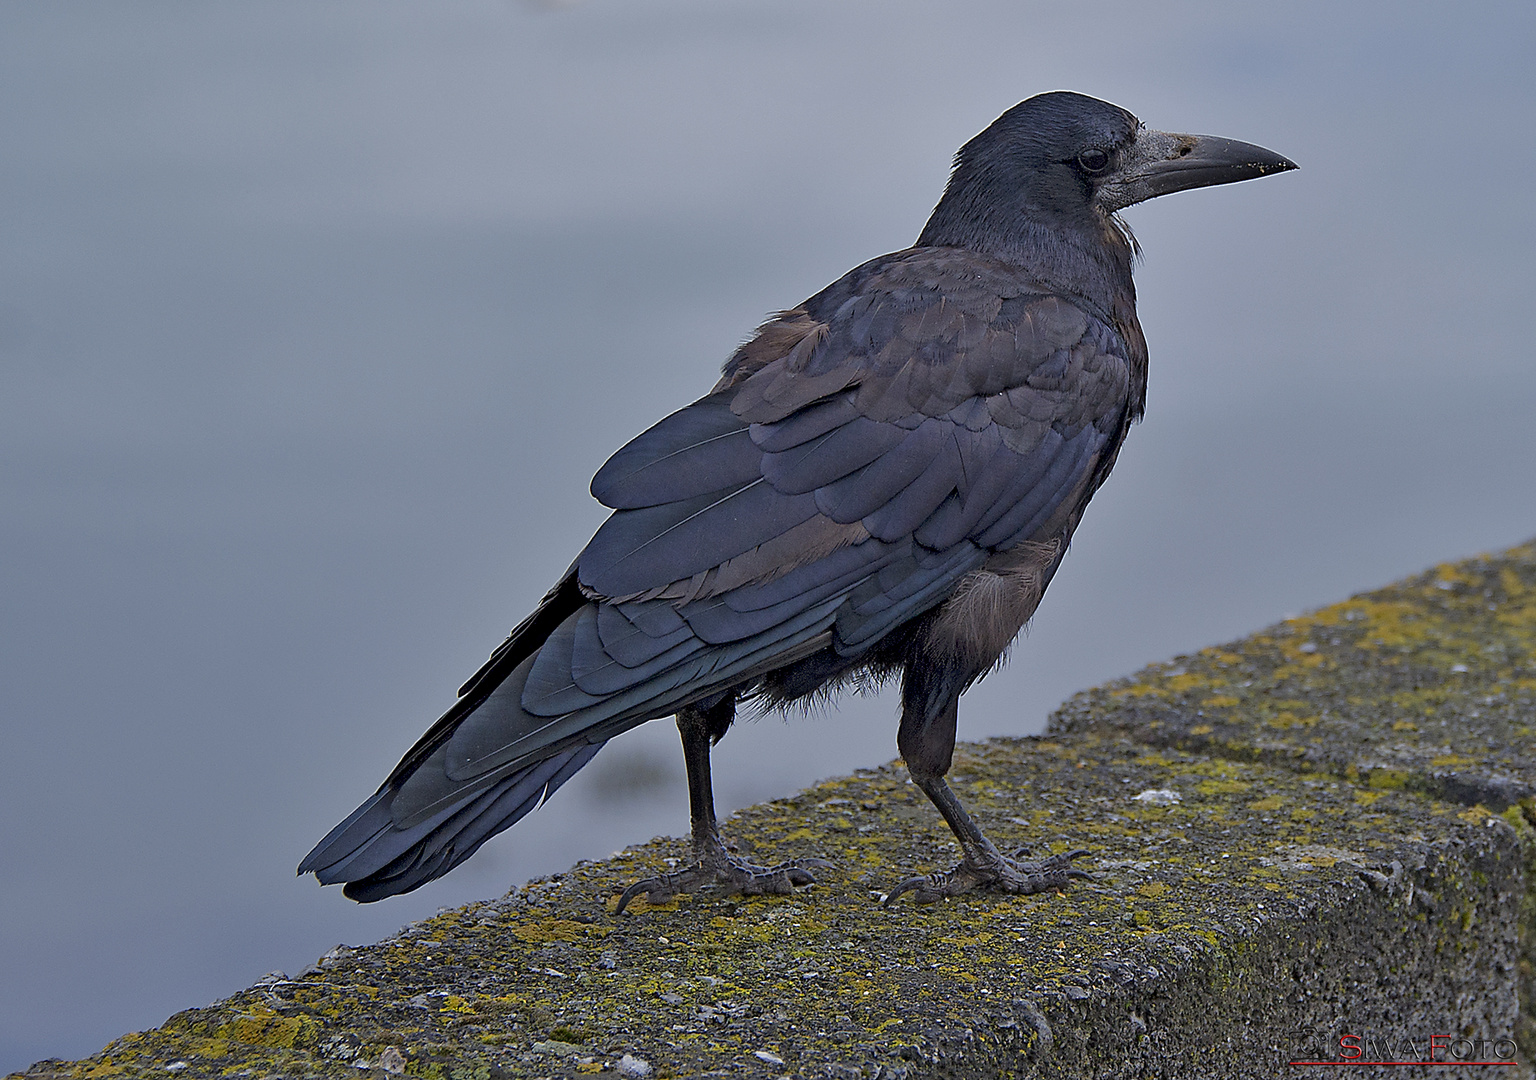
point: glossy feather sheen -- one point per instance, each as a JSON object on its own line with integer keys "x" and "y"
{"x": 905, "y": 481}
{"x": 948, "y": 409}
{"x": 924, "y": 431}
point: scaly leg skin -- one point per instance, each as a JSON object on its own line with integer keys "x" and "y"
{"x": 926, "y": 739}
{"x": 983, "y": 867}
{"x": 714, "y": 866}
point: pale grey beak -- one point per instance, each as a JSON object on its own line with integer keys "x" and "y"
{"x": 1161, "y": 162}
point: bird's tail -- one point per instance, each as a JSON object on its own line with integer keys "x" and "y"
{"x": 574, "y": 674}
{"x": 377, "y": 859}
{"x": 388, "y": 845}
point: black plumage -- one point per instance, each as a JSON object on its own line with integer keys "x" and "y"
{"x": 881, "y": 484}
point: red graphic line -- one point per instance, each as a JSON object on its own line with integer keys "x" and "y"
{"x": 1355, "y": 1061}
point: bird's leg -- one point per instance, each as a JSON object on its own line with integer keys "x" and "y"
{"x": 713, "y": 864}
{"x": 928, "y": 748}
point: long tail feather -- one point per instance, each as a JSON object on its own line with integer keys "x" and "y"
{"x": 377, "y": 859}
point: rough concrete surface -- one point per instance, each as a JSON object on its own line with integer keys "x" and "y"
{"x": 1314, "y": 844}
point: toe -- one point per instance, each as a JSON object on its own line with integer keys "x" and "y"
{"x": 1051, "y": 873}
{"x": 732, "y": 874}
{"x": 929, "y": 889}
{"x": 910, "y": 885}
{"x": 655, "y": 889}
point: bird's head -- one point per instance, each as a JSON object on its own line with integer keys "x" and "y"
{"x": 1063, "y": 163}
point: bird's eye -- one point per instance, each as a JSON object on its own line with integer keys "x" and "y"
{"x": 1093, "y": 161}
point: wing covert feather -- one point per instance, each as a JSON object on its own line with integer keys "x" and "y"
{"x": 696, "y": 450}
{"x": 922, "y": 415}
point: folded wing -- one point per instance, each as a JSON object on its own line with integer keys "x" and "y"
{"x": 928, "y": 411}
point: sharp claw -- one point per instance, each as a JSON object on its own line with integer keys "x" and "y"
{"x": 652, "y": 887}
{"x": 906, "y": 886}
{"x": 1072, "y": 871}
{"x": 924, "y": 890}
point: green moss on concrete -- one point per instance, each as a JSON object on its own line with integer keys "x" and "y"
{"x": 1428, "y": 684}
{"x": 1314, "y": 879}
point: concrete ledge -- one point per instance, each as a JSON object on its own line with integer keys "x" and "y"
{"x": 1426, "y": 686}
{"x": 1350, "y": 854}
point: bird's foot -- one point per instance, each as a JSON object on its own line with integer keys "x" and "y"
{"x": 728, "y": 873}
{"x": 1005, "y": 875}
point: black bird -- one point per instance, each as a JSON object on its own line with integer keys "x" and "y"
{"x": 882, "y": 483}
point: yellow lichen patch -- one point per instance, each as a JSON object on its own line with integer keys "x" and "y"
{"x": 1388, "y": 779}
{"x": 544, "y": 931}
{"x": 1152, "y": 889}
{"x": 1201, "y": 729}
{"x": 1296, "y": 656}
{"x": 1452, "y": 574}
{"x": 1222, "y": 787}
{"x": 1221, "y": 701}
{"x": 1392, "y": 624}
{"x": 1187, "y": 681}
{"x": 1138, "y": 690}
{"x": 260, "y": 1026}
{"x": 1405, "y": 725}
{"x": 1272, "y": 802}
{"x": 641, "y": 904}
{"x": 1522, "y": 816}
{"x": 1284, "y": 721}
{"x": 1450, "y": 760}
